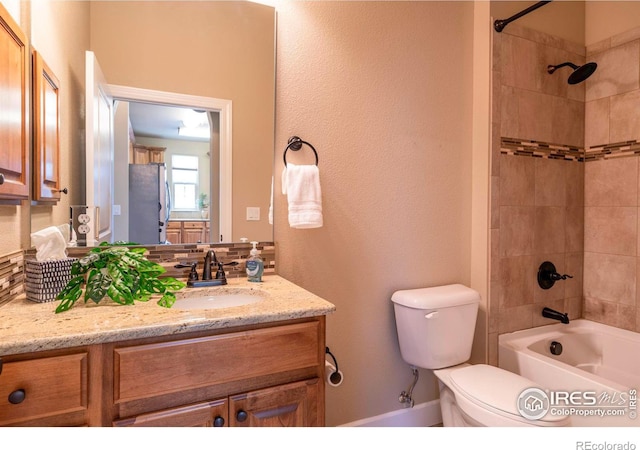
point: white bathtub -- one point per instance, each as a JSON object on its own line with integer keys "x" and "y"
{"x": 599, "y": 364}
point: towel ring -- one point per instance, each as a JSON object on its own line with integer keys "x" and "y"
{"x": 295, "y": 144}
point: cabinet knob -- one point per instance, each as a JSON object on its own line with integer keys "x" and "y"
{"x": 241, "y": 416}
{"x": 1, "y": 178}
{"x": 17, "y": 396}
{"x": 218, "y": 421}
{"x": 64, "y": 190}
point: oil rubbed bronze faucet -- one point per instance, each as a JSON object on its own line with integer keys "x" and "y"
{"x": 555, "y": 315}
{"x": 207, "y": 279}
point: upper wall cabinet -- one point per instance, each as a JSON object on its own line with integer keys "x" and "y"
{"x": 46, "y": 127}
{"x": 14, "y": 110}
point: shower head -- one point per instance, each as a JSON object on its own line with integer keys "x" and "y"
{"x": 579, "y": 74}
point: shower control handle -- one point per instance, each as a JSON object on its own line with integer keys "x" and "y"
{"x": 547, "y": 275}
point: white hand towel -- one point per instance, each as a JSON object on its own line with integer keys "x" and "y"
{"x": 301, "y": 185}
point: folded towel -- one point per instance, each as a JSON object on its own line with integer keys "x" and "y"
{"x": 301, "y": 185}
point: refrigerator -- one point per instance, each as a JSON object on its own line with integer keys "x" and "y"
{"x": 149, "y": 203}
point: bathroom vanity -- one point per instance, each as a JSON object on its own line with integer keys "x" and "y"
{"x": 261, "y": 364}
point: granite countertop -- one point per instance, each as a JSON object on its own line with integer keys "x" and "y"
{"x": 26, "y": 326}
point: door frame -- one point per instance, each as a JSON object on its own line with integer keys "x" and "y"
{"x": 224, "y": 108}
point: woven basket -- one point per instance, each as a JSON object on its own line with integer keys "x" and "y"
{"x": 45, "y": 279}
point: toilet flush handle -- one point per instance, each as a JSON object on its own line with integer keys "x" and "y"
{"x": 431, "y": 315}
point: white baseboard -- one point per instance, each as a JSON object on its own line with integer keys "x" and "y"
{"x": 423, "y": 415}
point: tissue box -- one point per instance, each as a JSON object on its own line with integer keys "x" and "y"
{"x": 45, "y": 279}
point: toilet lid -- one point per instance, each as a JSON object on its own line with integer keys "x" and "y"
{"x": 494, "y": 388}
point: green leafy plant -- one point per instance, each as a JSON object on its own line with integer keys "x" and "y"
{"x": 203, "y": 201}
{"x": 121, "y": 273}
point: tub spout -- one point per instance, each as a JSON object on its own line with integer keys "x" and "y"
{"x": 555, "y": 315}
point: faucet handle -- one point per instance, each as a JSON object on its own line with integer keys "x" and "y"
{"x": 547, "y": 275}
{"x": 193, "y": 275}
{"x": 220, "y": 274}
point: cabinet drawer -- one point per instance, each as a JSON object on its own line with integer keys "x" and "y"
{"x": 172, "y": 225}
{"x": 193, "y": 225}
{"x": 155, "y": 369}
{"x": 51, "y": 386}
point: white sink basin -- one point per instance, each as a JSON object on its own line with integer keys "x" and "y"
{"x": 215, "y": 300}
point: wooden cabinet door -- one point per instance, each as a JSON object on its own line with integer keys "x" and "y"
{"x": 174, "y": 236}
{"x": 193, "y": 232}
{"x": 14, "y": 116}
{"x": 46, "y": 125}
{"x": 206, "y": 414}
{"x": 191, "y": 236}
{"x": 289, "y": 405}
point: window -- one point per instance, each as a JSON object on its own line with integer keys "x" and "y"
{"x": 184, "y": 178}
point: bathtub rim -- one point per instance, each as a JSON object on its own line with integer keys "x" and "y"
{"x": 519, "y": 342}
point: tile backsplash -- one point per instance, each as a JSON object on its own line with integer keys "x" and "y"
{"x": 11, "y": 276}
{"x": 169, "y": 255}
{"x": 12, "y": 265}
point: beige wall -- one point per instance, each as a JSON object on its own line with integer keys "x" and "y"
{"x": 383, "y": 90}
{"x": 194, "y": 48}
{"x": 604, "y": 19}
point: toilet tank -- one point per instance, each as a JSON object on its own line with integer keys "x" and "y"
{"x": 436, "y": 325}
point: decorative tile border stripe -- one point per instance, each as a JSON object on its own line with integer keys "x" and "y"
{"x": 536, "y": 149}
{"x": 610, "y": 151}
{"x": 170, "y": 255}
{"x": 11, "y": 276}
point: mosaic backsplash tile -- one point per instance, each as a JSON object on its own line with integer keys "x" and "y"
{"x": 169, "y": 255}
{"x": 11, "y": 276}
{"x": 609, "y": 151}
{"x": 537, "y": 149}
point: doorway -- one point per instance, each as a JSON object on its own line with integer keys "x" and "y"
{"x": 219, "y": 159}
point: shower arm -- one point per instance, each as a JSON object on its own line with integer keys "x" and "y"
{"x": 499, "y": 24}
{"x": 552, "y": 69}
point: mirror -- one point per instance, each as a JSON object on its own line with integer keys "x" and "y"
{"x": 214, "y": 49}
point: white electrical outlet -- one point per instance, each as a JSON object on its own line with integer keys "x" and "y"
{"x": 253, "y": 213}
{"x": 116, "y": 210}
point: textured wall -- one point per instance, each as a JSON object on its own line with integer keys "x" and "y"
{"x": 383, "y": 90}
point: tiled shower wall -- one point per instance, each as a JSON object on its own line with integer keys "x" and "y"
{"x": 550, "y": 199}
{"x": 612, "y": 132}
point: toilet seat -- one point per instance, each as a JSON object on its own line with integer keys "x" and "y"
{"x": 489, "y": 395}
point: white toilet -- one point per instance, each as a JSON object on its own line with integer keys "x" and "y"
{"x": 435, "y": 330}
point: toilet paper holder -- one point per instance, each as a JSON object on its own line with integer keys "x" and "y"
{"x": 334, "y": 375}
